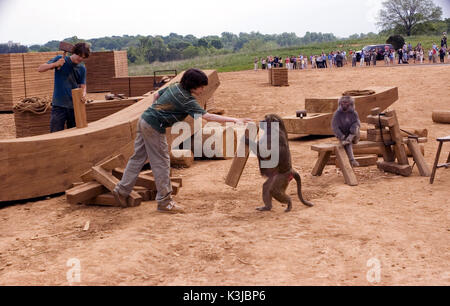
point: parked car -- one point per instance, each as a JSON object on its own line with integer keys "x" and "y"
{"x": 379, "y": 48}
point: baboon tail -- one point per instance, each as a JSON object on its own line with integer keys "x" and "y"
{"x": 299, "y": 189}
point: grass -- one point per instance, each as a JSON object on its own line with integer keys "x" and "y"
{"x": 244, "y": 60}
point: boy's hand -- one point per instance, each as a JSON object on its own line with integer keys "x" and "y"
{"x": 244, "y": 120}
{"x": 60, "y": 62}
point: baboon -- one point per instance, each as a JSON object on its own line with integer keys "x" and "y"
{"x": 280, "y": 176}
{"x": 346, "y": 126}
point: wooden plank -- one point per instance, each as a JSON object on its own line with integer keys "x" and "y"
{"x": 110, "y": 182}
{"x": 404, "y": 170}
{"x": 364, "y": 161}
{"x": 344, "y": 164}
{"x": 313, "y": 124}
{"x": 85, "y": 192}
{"x": 79, "y": 108}
{"x": 322, "y": 161}
{"x": 396, "y": 135}
{"x": 332, "y": 146}
{"x": 385, "y": 121}
{"x": 422, "y": 165}
{"x": 238, "y": 165}
{"x": 117, "y": 161}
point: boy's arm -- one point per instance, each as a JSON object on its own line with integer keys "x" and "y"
{"x": 218, "y": 118}
{"x": 52, "y": 64}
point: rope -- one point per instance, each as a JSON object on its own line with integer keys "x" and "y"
{"x": 35, "y": 105}
{"x": 358, "y": 93}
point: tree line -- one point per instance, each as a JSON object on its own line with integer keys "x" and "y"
{"x": 148, "y": 49}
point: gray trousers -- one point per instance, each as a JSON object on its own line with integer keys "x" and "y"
{"x": 153, "y": 145}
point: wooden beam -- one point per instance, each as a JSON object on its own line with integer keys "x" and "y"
{"x": 110, "y": 182}
{"x": 344, "y": 164}
{"x": 404, "y": 170}
{"x": 117, "y": 161}
{"x": 79, "y": 108}
{"x": 322, "y": 161}
{"x": 396, "y": 135}
{"x": 238, "y": 165}
{"x": 84, "y": 192}
{"x": 422, "y": 165}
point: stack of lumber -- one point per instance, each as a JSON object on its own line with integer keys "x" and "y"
{"x": 102, "y": 67}
{"x": 19, "y": 77}
{"x": 32, "y": 124}
{"x": 98, "y": 183}
{"x": 280, "y": 77}
{"x": 133, "y": 85}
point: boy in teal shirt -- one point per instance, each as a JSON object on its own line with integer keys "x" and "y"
{"x": 172, "y": 104}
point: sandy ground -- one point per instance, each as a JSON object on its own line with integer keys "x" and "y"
{"x": 401, "y": 223}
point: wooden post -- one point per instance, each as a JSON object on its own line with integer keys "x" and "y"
{"x": 238, "y": 165}
{"x": 110, "y": 182}
{"x": 322, "y": 161}
{"x": 344, "y": 164}
{"x": 79, "y": 108}
{"x": 396, "y": 135}
{"x": 418, "y": 158}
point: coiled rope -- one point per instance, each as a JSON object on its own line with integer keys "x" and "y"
{"x": 35, "y": 105}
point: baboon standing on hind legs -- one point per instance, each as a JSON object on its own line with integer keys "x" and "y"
{"x": 280, "y": 175}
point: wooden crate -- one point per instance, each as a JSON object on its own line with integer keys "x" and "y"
{"x": 280, "y": 77}
{"x": 102, "y": 67}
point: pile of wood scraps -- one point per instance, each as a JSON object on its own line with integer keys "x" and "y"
{"x": 98, "y": 183}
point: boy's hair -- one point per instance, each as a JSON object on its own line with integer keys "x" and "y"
{"x": 193, "y": 78}
{"x": 82, "y": 49}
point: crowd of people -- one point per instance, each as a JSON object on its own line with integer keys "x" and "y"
{"x": 405, "y": 55}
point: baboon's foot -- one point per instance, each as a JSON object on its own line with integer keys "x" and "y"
{"x": 265, "y": 208}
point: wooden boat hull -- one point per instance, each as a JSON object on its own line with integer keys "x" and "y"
{"x": 47, "y": 164}
{"x": 321, "y": 110}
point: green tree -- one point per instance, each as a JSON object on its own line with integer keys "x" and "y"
{"x": 407, "y": 14}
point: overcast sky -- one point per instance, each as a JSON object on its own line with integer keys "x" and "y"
{"x": 39, "y": 21}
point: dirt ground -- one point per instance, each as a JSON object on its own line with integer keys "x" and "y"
{"x": 401, "y": 223}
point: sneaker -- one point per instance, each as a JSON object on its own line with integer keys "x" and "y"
{"x": 171, "y": 208}
{"x": 120, "y": 199}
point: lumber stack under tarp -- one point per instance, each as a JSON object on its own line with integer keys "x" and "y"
{"x": 20, "y": 79}
{"x": 102, "y": 67}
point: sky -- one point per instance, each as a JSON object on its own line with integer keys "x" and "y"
{"x": 39, "y": 21}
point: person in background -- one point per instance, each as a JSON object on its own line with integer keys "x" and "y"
{"x": 70, "y": 74}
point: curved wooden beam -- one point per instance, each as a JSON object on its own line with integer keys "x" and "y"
{"x": 47, "y": 164}
{"x": 320, "y": 111}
